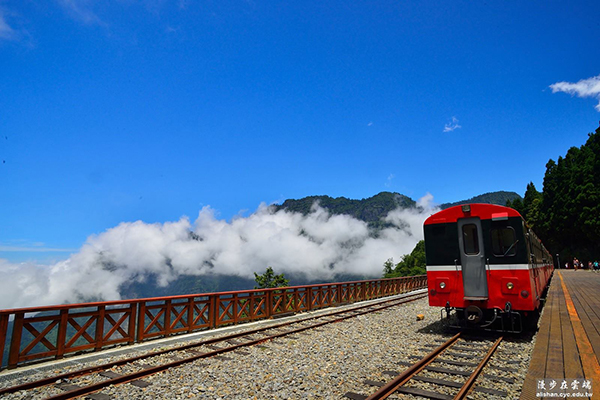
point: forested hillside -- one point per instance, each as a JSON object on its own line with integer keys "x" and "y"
{"x": 566, "y": 214}
{"x": 370, "y": 210}
{"x": 500, "y": 198}
{"x": 373, "y": 209}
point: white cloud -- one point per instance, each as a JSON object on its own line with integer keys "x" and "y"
{"x": 389, "y": 180}
{"x": 589, "y": 87}
{"x": 81, "y": 10}
{"x": 6, "y": 31}
{"x": 450, "y": 126}
{"x": 318, "y": 245}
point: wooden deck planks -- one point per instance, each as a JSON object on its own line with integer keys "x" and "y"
{"x": 537, "y": 365}
{"x": 572, "y": 362}
{"x": 568, "y": 341}
{"x": 589, "y": 359}
{"x": 554, "y": 361}
{"x": 586, "y": 299}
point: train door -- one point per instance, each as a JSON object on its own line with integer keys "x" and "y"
{"x": 472, "y": 259}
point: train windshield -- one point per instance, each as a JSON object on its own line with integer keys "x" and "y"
{"x": 503, "y": 242}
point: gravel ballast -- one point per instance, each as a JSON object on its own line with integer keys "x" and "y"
{"x": 319, "y": 364}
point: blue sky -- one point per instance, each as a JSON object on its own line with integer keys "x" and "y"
{"x": 124, "y": 110}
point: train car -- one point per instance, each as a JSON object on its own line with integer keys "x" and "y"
{"x": 486, "y": 265}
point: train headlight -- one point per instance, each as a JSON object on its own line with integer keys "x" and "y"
{"x": 442, "y": 285}
{"x": 510, "y": 285}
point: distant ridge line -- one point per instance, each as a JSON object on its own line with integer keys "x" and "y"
{"x": 373, "y": 209}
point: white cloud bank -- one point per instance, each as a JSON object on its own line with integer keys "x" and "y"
{"x": 319, "y": 245}
{"x": 589, "y": 87}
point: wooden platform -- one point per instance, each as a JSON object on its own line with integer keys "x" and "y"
{"x": 567, "y": 346}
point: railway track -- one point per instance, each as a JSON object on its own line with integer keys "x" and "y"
{"x": 448, "y": 372}
{"x": 88, "y": 381}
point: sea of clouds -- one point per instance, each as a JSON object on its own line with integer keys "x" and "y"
{"x": 318, "y": 245}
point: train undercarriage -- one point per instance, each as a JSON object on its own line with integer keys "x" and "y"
{"x": 494, "y": 320}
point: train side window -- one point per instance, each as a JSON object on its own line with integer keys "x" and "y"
{"x": 504, "y": 243}
{"x": 470, "y": 239}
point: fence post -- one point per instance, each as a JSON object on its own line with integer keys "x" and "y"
{"x": 132, "y": 320}
{"x": 100, "y": 327}
{"x": 269, "y": 301}
{"x": 190, "y": 314}
{"x": 62, "y": 333}
{"x": 141, "y": 321}
{"x": 234, "y": 308}
{"x": 212, "y": 313}
{"x": 3, "y": 335}
{"x": 15, "y": 342}
{"x": 167, "y": 318}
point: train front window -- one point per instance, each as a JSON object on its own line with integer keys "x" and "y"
{"x": 470, "y": 239}
{"x": 504, "y": 243}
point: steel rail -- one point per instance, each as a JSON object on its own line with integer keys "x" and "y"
{"x": 154, "y": 370}
{"x": 386, "y": 390}
{"x": 106, "y": 366}
{"x": 399, "y": 381}
{"x": 464, "y": 391}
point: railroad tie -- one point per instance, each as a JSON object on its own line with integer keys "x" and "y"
{"x": 448, "y": 371}
{"x": 355, "y": 396}
{"x": 112, "y": 375}
{"x": 464, "y": 348}
{"x": 424, "y": 393}
{"x": 67, "y": 387}
{"x": 222, "y": 358}
{"x": 457, "y": 363}
{"x": 458, "y": 385}
{"x": 373, "y": 383}
{"x": 194, "y": 352}
{"x": 462, "y": 355}
{"x": 98, "y": 396}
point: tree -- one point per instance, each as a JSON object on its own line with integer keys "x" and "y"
{"x": 532, "y": 203}
{"x": 270, "y": 280}
{"x": 517, "y": 204}
{"x": 388, "y": 267}
{"x": 569, "y": 214}
{"x": 411, "y": 264}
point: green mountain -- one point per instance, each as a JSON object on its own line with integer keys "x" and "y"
{"x": 373, "y": 209}
{"x": 370, "y": 210}
{"x": 499, "y": 198}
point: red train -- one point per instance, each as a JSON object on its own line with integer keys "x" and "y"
{"x": 486, "y": 264}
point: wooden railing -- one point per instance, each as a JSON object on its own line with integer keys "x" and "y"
{"x": 37, "y": 333}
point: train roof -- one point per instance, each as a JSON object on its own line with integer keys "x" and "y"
{"x": 483, "y": 211}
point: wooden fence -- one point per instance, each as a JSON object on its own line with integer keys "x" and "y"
{"x": 37, "y": 333}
